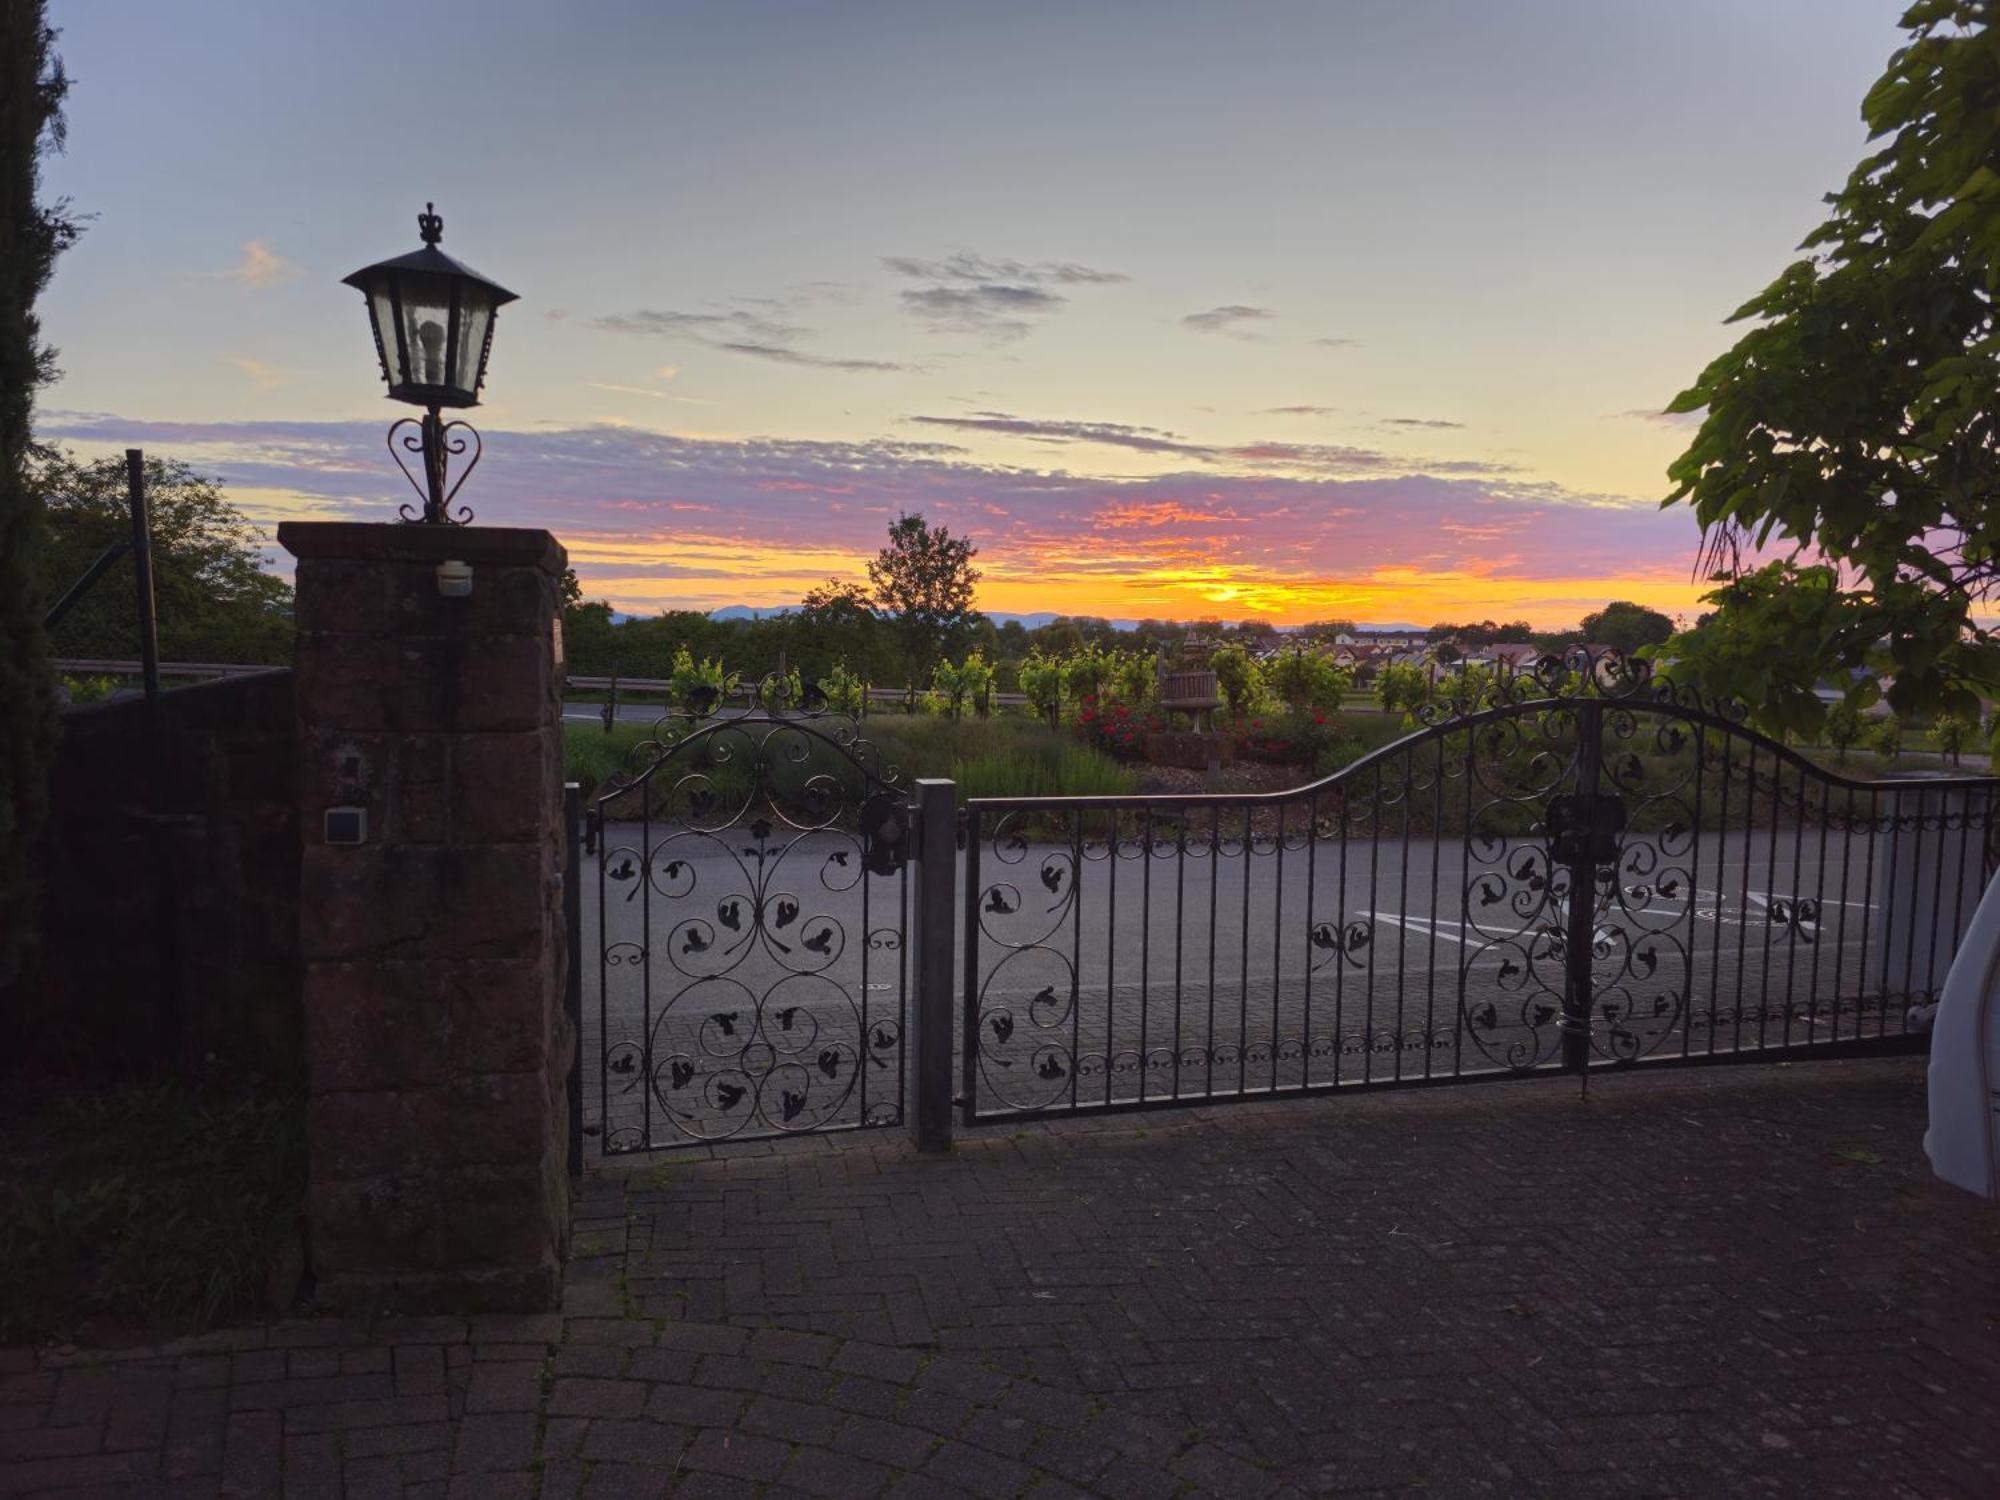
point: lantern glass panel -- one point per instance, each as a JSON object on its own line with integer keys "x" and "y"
{"x": 475, "y": 315}
{"x": 426, "y": 315}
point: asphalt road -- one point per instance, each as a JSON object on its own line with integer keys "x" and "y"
{"x": 1191, "y": 976}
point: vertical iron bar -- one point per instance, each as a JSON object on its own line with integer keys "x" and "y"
{"x": 1694, "y": 884}
{"x": 159, "y": 844}
{"x": 1243, "y": 943}
{"x": 1582, "y": 891}
{"x": 1840, "y": 946}
{"x": 1959, "y": 884}
{"x": 1743, "y": 927}
{"x": 1437, "y": 847}
{"x": 970, "y": 1061}
{"x": 1819, "y": 909}
{"x": 861, "y": 1051}
{"x": 1145, "y": 947}
{"x": 904, "y": 958}
{"x": 1340, "y": 948}
{"x": 1721, "y": 858}
{"x": 1465, "y": 949}
{"x": 1111, "y": 961}
{"x": 1214, "y": 897}
{"x": 1180, "y": 935}
{"x": 937, "y": 902}
{"x": 1770, "y": 896}
{"x": 1306, "y": 959}
{"x": 1937, "y": 901}
{"x": 1277, "y": 942}
{"x": 1374, "y": 895}
{"x": 573, "y": 964}
{"x": 1910, "y": 923}
{"x": 645, "y": 962}
{"x": 1403, "y": 908}
{"x": 1075, "y": 951}
{"x": 1867, "y": 925}
{"x": 603, "y": 980}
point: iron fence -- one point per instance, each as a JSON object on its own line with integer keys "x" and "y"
{"x": 1578, "y": 868}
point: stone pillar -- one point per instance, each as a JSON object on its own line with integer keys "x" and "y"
{"x": 434, "y": 948}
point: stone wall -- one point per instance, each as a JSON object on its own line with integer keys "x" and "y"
{"x": 96, "y": 1000}
{"x": 434, "y": 950}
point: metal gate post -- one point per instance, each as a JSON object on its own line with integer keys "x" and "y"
{"x": 932, "y": 1016}
{"x": 572, "y": 891}
{"x": 1582, "y": 860}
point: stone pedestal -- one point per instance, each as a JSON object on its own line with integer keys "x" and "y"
{"x": 434, "y": 947}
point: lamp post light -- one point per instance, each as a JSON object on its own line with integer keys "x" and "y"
{"x": 432, "y": 318}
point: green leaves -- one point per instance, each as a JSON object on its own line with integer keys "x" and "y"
{"x": 1854, "y": 426}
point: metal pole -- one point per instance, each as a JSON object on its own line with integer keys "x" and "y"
{"x": 149, "y": 635}
{"x": 82, "y": 586}
{"x": 1582, "y": 924}
{"x": 573, "y": 980}
{"x": 166, "y": 916}
{"x": 937, "y": 902}
{"x": 434, "y": 457}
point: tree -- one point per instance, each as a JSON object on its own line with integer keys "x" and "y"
{"x": 215, "y": 601}
{"x": 1843, "y": 727}
{"x": 1235, "y": 678}
{"x": 32, "y": 235}
{"x": 1855, "y": 427}
{"x": 836, "y": 622}
{"x": 1625, "y": 626}
{"x": 1951, "y": 733}
{"x": 1886, "y": 738}
{"x": 923, "y": 582}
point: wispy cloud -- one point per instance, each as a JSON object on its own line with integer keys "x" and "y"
{"x": 1230, "y": 319}
{"x": 1318, "y": 457}
{"x": 646, "y": 390}
{"x": 738, "y": 330}
{"x": 701, "y": 326}
{"x": 1663, "y": 418}
{"x": 260, "y": 266}
{"x": 965, "y": 266}
{"x": 989, "y": 308}
{"x": 996, "y": 299}
{"x": 779, "y": 354}
{"x": 1300, "y": 411}
{"x": 1429, "y": 422}
{"x": 1336, "y": 343}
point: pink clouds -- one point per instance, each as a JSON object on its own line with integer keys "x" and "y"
{"x": 750, "y": 512}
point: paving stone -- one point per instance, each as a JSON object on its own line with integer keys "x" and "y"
{"x": 635, "y": 1442}
{"x": 741, "y": 1455}
{"x": 1737, "y": 1282}
{"x": 586, "y": 1396}
{"x": 494, "y": 1442}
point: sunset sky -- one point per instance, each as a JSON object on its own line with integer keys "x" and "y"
{"x": 1356, "y": 308}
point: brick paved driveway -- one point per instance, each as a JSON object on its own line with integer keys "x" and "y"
{"x": 1736, "y": 1281}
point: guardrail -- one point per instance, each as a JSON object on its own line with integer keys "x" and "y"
{"x": 661, "y": 686}
{"x": 77, "y": 666}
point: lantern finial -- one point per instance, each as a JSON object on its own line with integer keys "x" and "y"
{"x": 430, "y": 224}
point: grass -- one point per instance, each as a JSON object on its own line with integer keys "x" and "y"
{"x": 155, "y": 1205}
{"x": 590, "y": 755}
{"x": 1007, "y": 756}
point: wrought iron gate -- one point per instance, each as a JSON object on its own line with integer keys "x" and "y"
{"x": 751, "y": 890}
{"x": 1572, "y": 867}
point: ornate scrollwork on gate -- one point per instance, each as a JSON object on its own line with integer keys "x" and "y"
{"x": 752, "y": 925}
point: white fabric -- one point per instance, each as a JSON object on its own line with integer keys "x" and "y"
{"x": 1963, "y": 1141}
